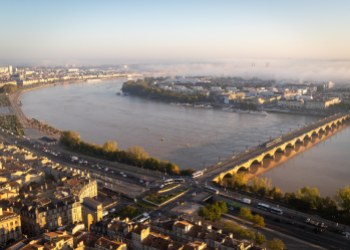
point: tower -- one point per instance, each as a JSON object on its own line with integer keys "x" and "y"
{"x": 10, "y": 69}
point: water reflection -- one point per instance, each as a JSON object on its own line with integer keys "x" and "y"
{"x": 308, "y": 164}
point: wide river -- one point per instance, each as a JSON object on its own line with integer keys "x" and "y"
{"x": 189, "y": 137}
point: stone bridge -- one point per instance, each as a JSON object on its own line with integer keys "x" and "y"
{"x": 269, "y": 149}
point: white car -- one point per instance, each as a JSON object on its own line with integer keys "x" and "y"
{"x": 121, "y": 173}
{"x": 141, "y": 181}
{"x": 124, "y": 175}
{"x": 231, "y": 208}
{"x": 112, "y": 210}
{"x": 346, "y": 234}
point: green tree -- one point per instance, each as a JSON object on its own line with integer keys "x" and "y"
{"x": 245, "y": 214}
{"x": 213, "y": 212}
{"x": 276, "y": 244}
{"x": 258, "y": 221}
{"x": 260, "y": 239}
{"x": 128, "y": 211}
{"x": 343, "y": 198}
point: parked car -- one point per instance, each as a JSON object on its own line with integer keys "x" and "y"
{"x": 290, "y": 216}
{"x": 346, "y": 234}
{"x": 112, "y": 210}
{"x": 231, "y": 208}
{"x": 317, "y": 230}
{"x": 124, "y": 175}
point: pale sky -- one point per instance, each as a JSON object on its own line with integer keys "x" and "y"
{"x": 110, "y": 31}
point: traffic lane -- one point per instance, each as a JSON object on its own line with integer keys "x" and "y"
{"x": 306, "y": 234}
{"x": 284, "y": 218}
{"x": 254, "y": 203}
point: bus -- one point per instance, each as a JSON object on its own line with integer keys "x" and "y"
{"x": 168, "y": 181}
{"x": 276, "y": 210}
{"x": 273, "y": 210}
{"x": 210, "y": 189}
{"x": 264, "y": 207}
{"x": 179, "y": 180}
{"x": 197, "y": 174}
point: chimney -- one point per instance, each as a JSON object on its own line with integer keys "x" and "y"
{"x": 208, "y": 227}
{"x": 0, "y": 210}
{"x": 199, "y": 223}
{"x": 219, "y": 231}
{"x": 30, "y": 188}
{"x": 230, "y": 235}
{"x": 42, "y": 187}
{"x": 126, "y": 219}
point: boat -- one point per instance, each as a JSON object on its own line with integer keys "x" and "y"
{"x": 227, "y": 109}
{"x": 262, "y": 112}
{"x": 198, "y": 106}
{"x": 208, "y": 107}
{"x": 118, "y": 93}
{"x": 242, "y": 111}
{"x": 125, "y": 94}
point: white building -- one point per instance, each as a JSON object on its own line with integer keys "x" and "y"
{"x": 10, "y": 69}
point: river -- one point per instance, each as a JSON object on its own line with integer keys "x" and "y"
{"x": 193, "y": 138}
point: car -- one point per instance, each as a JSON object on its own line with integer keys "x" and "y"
{"x": 112, "y": 172}
{"x": 124, "y": 175}
{"x": 278, "y": 220}
{"x": 317, "y": 230}
{"x": 231, "y": 208}
{"x": 346, "y": 234}
{"x": 302, "y": 226}
{"x": 291, "y": 222}
{"x": 121, "y": 173}
{"x": 290, "y": 216}
{"x": 141, "y": 181}
{"x": 112, "y": 210}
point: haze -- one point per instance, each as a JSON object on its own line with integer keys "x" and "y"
{"x": 43, "y": 32}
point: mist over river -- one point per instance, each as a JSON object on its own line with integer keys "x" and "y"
{"x": 193, "y": 138}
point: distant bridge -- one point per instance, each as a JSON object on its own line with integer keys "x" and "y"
{"x": 269, "y": 149}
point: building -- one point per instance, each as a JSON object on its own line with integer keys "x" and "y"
{"x": 10, "y": 70}
{"x": 10, "y": 226}
{"x": 106, "y": 244}
{"x": 321, "y": 103}
{"x": 289, "y": 103}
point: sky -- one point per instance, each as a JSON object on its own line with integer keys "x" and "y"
{"x": 45, "y": 32}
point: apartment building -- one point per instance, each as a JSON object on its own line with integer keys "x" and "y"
{"x": 10, "y": 226}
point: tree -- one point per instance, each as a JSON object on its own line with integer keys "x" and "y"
{"x": 213, "y": 212}
{"x": 245, "y": 214}
{"x": 128, "y": 211}
{"x": 343, "y": 198}
{"x": 69, "y": 138}
{"x": 308, "y": 195}
{"x": 230, "y": 226}
{"x": 260, "y": 239}
{"x": 276, "y": 244}
{"x": 139, "y": 153}
{"x": 258, "y": 221}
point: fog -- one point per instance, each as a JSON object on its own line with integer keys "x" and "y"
{"x": 304, "y": 70}
{"x": 299, "y": 70}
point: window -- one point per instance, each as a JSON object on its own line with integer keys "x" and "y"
{"x": 55, "y": 223}
{"x": 55, "y": 211}
{"x": 11, "y": 223}
{"x": 16, "y": 222}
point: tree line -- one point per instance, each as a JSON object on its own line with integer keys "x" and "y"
{"x": 135, "y": 156}
{"x": 143, "y": 89}
{"x": 304, "y": 199}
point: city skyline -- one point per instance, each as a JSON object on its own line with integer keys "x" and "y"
{"x": 115, "y": 32}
